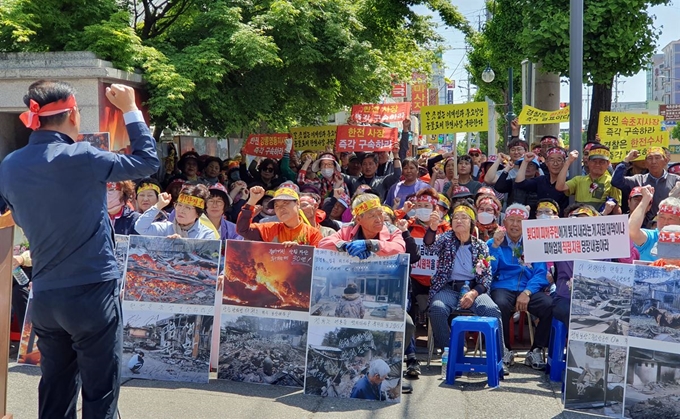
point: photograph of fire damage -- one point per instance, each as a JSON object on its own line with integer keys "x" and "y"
{"x": 600, "y": 305}
{"x": 653, "y": 384}
{"x": 165, "y": 346}
{"x": 655, "y": 312}
{"x": 177, "y": 271}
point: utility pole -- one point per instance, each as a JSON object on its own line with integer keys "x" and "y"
{"x": 616, "y": 92}
{"x": 469, "y": 98}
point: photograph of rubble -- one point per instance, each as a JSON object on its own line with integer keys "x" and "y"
{"x": 100, "y": 140}
{"x": 600, "y": 301}
{"x": 595, "y": 378}
{"x": 262, "y": 350}
{"x": 354, "y": 363}
{"x": 655, "y": 312}
{"x": 267, "y": 275}
{"x": 345, "y": 286}
{"x": 653, "y": 384}
{"x": 177, "y": 271}
{"x": 166, "y": 346}
{"x": 28, "y": 347}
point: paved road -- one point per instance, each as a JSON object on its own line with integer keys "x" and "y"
{"x": 523, "y": 394}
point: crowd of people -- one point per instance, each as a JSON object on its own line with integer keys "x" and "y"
{"x": 466, "y": 209}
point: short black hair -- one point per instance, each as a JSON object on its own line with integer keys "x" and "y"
{"x": 370, "y": 156}
{"x": 48, "y": 91}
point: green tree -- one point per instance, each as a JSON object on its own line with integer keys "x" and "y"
{"x": 619, "y": 39}
{"x": 676, "y": 132}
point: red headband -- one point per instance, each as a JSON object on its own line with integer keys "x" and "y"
{"x": 556, "y": 150}
{"x": 488, "y": 200}
{"x": 426, "y": 198}
{"x": 667, "y": 209}
{"x": 30, "y": 118}
{"x": 524, "y": 214}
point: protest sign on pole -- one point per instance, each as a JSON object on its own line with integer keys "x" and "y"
{"x": 314, "y": 138}
{"x": 373, "y": 113}
{"x": 535, "y": 116}
{"x": 623, "y": 132}
{"x": 624, "y": 343}
{"x": 398, "y": 90}
{"x": 266, "y": 145}
{"x": 365, "y": 138}
{"x": 446, "y": 119}
{"x": 418, "y": 97}
{"x": 576, "y": 238}
{"x": 427, "y": 265}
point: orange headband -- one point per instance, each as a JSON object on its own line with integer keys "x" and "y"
{"x": 466, "y": 210}
{"x": 366, "y": 206}
{"x": 194, "y": 201}
{"x": 31, "y": 118}
{"x": 149, "y": 187}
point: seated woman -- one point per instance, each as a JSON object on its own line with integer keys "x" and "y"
{"x": 148, "y": 190}
{"x": 291, "y": 228}
{"x": 218, "y": 205}
{"x": 189, "y": 207}
{"x": 463, "y": 259}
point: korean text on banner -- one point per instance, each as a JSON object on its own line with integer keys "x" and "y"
{"x": 265, "y": 145}
{"x": 427, "y": 265}
{"x": 576, "y": 238}
{"x": 398, "y": 90}
{"x": 534, "y": 116}
{"x": 418, "y": 97}
{"x": 373, "y": 113}
{"x": 444, "y": 119}
{"x": 313, "y": 138}
{"x": 362, "y": 138}
{"x": 623, "y": 132}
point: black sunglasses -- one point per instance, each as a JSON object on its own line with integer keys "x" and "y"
{"x": 268, "y": 169}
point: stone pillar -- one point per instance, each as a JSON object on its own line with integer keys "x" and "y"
{"x": 547, "y": 98}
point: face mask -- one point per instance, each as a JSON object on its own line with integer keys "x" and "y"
{"x": 235, "y": 175}
{"x": 423, "y": 214}
{"x": 327, "y": 173}
{"x": 113, "y": 199}
{"x": 543, "y": 216}
{"x": 411, "y": 213}
{"x": 486, "y": 218}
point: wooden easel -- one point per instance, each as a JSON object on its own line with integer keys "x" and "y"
{"x": 6, "y": 246}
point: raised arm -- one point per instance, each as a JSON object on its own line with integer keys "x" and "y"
{"x": 561, "y": 184}
{"x": 637, "y": 218}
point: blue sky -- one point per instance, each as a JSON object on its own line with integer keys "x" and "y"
{"x": 454, "y": 57}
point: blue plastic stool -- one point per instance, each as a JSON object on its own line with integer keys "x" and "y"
{"x": 459, "y": 363}
{"x": 557, "y": 363}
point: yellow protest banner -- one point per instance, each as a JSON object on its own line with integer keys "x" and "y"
{"x": 447, "y": 119}
{"x": 313, "y": 138}
{"x": 534, "y": 116}
{"x": 622, "y": 132}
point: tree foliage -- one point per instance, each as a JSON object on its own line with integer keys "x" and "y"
{"x": 238, "y": 66}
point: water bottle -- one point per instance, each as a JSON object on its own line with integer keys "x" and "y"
{"x": 463, "y": 290}
{"x": 20, "y": 276}
{"x": 445, "y": 361}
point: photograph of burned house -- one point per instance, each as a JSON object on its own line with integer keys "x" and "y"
{"x": 166, "y": 346}
{"x": 655, "y": 312}
{"x": 262, "y": 350}
{"x": 354, "y": 363}
{"x": 28, "y": 347}
{"x": 178, "y": 271}
{"x": 653, "y": 384}
{"x": 599, "y": 303}
{"x": 343, "y": 286}
{"x": 100, "y": 140}
{"x": 267, "y": 275}
{"x": 595, "y": 378}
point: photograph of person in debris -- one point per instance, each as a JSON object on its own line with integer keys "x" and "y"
{"x": 262, "y": 350}
{"x": 595, "y": 378}
{"x": 176, "y": 347}
{"x": 354, "y": 363}
{"x": 601, "y": 299}
{"x": 653, "y": 384}
{"x": 655, "y": 312}
{"x": 343, "y": 286}
{"x": 267, "y": 275}
{"x": 177, "y": 271}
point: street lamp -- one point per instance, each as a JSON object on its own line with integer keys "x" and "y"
{"x": 488, "y": 76}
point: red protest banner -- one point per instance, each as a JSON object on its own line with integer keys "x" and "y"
{"x": 418, "y": 96}
{"x": 398, "y": 90}
{"x": 361, "y": 138}
{"x": 265, "y": 145}
{"x": 385, "y": 112}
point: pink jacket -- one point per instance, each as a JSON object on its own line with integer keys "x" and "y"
{"x": 389, "y": 241}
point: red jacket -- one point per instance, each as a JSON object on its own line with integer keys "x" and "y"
{"x": 389, "y": 241}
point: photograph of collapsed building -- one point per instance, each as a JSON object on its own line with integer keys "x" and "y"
{"x": 267, "y": 275}
{"x": 166, "y": 346}
{"x": 369, "y": 290}
{"x": 262, "y": 350}
{"x": 595, "y": 379}
{"x": 356, "y": 363}
{"x": 100, "y": 140}
{"x": 600, "y": 304}
{"x": 655, "y": 311}
{"x": 28, "y": 347}
{"x": 653, "y": 384}
{"x": 178, "y": 271}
